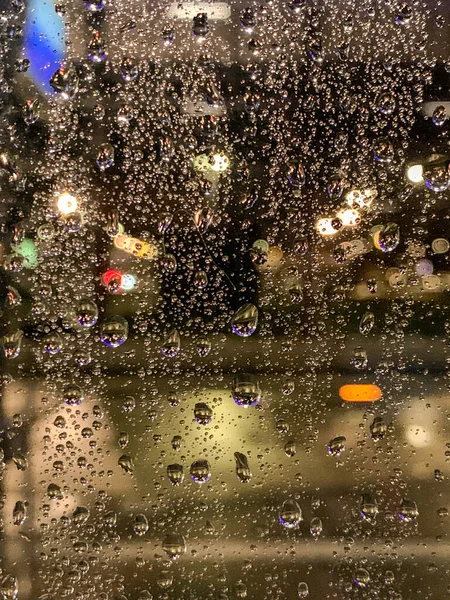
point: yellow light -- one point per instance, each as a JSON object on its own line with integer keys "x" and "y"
{"x": 136, "y": 247}
{"x": 325, "y": 227}
{"x": 360, "y": 392}
{"x": 219, "y": 162}
{"x": 415, "y": 173}
{"x": 67, "y": 203}
{"x": 349, "y": 217}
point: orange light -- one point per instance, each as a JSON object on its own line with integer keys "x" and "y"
{"x": 360, "y": 392}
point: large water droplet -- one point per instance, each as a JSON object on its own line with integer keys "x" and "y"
{"x": 408, "y": 510}
{"x": 172, "y": 344}
{"x": 200, "y": 471}
{"x": 73, "y": 395}
{"x": 366, "y": 323}
{"x": 203, "y": 414}
{"x": 52, "y": 343}
{"x": 11, "y": 343}
{"x": 388, "y": 237}
{"x": 13, "y": 297}
{"x": 19, "y": 513}
{"x": 86, "y": 313}
{"x": 378, "y": 429}
{"x": 54, "y": 492}
{"x": 105, "y": 157}
{"x": 140, "y": 524}
{"x": 303, "y": 590}
{"x": 368, "y": 508}
{"x": 316, "y": 527}
{"x": 336, "y": 446}
{"x": 126, "y": 462}
{"x": 361, "y": 578}
{"x": 246, "y": 390}
{"x": 114, "y": 332}
{"x": 245, "y": 320}
{"x": 175, "y": 473}
{"x": 243, "y": 471}
{"x": 290, "y": 514}
{"x": 174, "y": 545}
{"x": 8, "y": 588}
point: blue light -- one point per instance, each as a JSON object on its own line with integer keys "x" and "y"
{"x": 43, "y": 42}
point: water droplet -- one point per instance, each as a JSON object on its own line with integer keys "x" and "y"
{"x": 11, "y": 343}
{"x": 129, "y": 70}
{"x": 203, "y": 414}
{"x": 290, "y": 448}
{"x": 378, "y": 429}
{"x": 438, "y": 475}
{"x": 200, "y": 471}
{"x": 105, "y": 157}
{"x": 203, "y": 218}
{"x": 383, "y": 150}
{"x": 440, "y": 116}
{"x": 316, "y": 527}
{"x": 245, "y": 320}
{"x": 200, "y": 280}
{"x": 73, "y": 395}
{"x": 436, "y": 175}
{"x": 171, "y": 345}
{"x": 19, "y": 513}
{"x": 366, "y": 323}
{"x": 388, "y": 237}
{"x": 168, "y": 263}
{"x": 20, "y": 461}
{"x": 200, "y": 27}
{"x": 174, "y": 545}
{"x": 97, "y": 52}
{"x": 54, "y": 492}
{"x": 287, "y": 387}
{"x": 140, "y": 524}
{"x": 86, "y": 313}
{"x": 246, "y": 391}
{"x": 176, "y": 442}
{"x": 203, "y": 347}
{"x": 296, "y": 175}
{"x": 126, "y": 463}
{"x": 52, "y": 343}
{"x": 8, "y": 588}
{"x": 128, "y": 404}
{"x": 65, "y": 81}
{"x": 123, "y": 439}
{"x": 290, "y": 514}
{"x": 408, "y": 510}
{"x": 164, "y": 222}
{"x": 386, "y": 103}
{"x": 13, "y": 297}
{"x": 303, "y": 590}
{"x": 243, "y": 471}
{"x": 368, "y": 508}
{"x": 336, "y": 446}
{"x": 361, "y": 578}
{"x": 80, "y": 515}
{"x": 359, "y": 359}
{"x": 114, "y": 332}
{"x": 175, "y": 472}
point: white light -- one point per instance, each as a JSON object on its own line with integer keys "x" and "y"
{"x": 415, "y": 173}
{"x": 67, "y": 203}
{"x": 362, "y": 198}
{"x": 349, "y": 217}
{"x": 325, "y": 227}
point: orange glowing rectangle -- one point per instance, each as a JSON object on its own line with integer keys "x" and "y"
{"x": 360, "y": 392}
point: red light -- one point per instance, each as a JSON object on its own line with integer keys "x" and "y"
{"x": 112, "y": 280}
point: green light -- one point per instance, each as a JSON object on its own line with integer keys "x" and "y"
{"x": 27, "y": 249}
